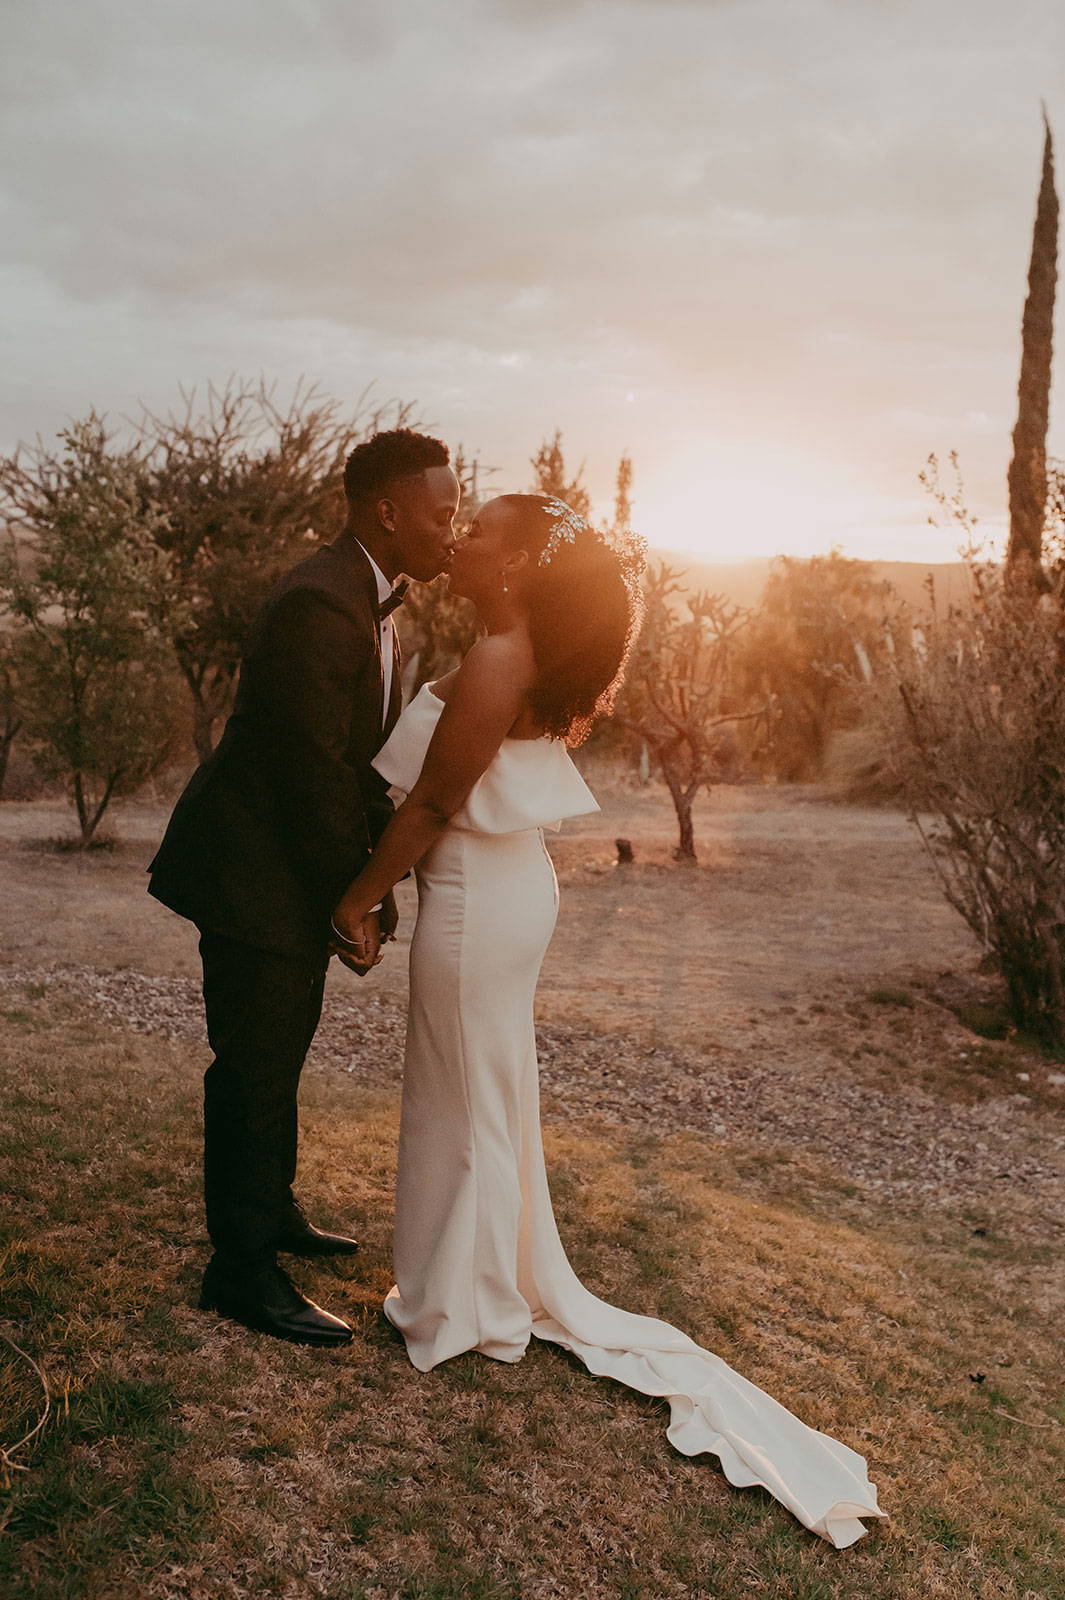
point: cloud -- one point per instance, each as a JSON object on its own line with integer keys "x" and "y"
{"x": 340, "y": 161}
{"x": 757, "y": 216}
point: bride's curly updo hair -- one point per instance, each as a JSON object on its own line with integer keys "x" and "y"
{"x": 583, "y": 601}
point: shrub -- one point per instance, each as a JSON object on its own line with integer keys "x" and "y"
{"x": 976, "y": 734}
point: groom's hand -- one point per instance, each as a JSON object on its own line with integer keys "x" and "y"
{"x": 359, "y": 948}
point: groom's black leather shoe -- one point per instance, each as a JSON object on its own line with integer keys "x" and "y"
{"x": 298, "y": 1237}
{"x": 262, "y": 1297}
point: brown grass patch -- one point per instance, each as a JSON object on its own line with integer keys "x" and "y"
{"x": 197, "y": 1460}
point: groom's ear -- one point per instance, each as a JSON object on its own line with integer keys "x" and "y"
{"x": 386, "y": 514}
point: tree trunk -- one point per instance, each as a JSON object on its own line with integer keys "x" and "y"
{"x": 682, "y": 804}
{"x": 7, "y": 739}
{"x": 105, "y": 801}
{"x": 88, "y": 815}
{"x": 81, "y": 807}
{"x": 208, "y": 703}
{"x": 1028, "y": 468}
{"x": 685, "y": 850}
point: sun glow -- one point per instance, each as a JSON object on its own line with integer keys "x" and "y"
{"x": 735, "y": 510}
{"x": 732, "y": 510}
{"x": 733, "y": 519}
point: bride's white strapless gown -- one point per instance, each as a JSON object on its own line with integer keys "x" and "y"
{"x": 479, "y": 1264}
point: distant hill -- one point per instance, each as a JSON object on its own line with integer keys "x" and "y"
{"x": 743, "y": 581}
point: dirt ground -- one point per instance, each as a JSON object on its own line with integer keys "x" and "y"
{"x": 790, "y": 893}
{"x": 804, "y": 989}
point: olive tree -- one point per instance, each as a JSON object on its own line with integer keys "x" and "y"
{"x": 81, "y": 579}
{"x": 678, "y": 698}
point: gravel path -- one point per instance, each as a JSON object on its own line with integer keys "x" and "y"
{"x": 902, "y": 1145}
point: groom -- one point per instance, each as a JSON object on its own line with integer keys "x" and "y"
{"x": 265, "y": 839}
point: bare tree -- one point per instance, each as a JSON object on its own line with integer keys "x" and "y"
{"x": 248, "y": 486}
{"x": 678, "y": 698}
{"x": 1028, "y": 467}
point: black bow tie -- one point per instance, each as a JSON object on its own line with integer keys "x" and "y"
{"x": 386, "y": 607}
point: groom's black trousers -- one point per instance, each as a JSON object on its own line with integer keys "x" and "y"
{"x": 262, "y": 1009}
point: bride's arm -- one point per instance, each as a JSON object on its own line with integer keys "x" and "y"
{"x": 484, "y": 701}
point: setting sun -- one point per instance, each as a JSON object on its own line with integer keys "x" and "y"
{"x": 729, "y": 510}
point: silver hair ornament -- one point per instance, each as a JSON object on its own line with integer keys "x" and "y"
{"x": 567, "y": 525}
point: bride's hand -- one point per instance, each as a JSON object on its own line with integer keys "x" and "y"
{"x": 358, "y": 948}
{"x": 359, "y": 968}
{"x": 389, "y": 918}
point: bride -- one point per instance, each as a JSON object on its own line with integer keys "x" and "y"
{"x": 482, "y": 758}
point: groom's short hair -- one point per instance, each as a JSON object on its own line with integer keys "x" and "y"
{"x": 378, "y": 462}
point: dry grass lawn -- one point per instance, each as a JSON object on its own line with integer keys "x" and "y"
{"x": 188, "y": 1459}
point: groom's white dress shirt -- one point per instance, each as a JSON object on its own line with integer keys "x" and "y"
{"x": 388, "y": 631}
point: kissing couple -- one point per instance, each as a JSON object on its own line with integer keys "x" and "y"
{"x": 284, "y": 850}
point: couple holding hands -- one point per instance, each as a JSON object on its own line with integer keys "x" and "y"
{"x": 284, "y": 850}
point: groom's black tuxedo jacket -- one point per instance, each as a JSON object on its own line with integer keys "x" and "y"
{"x": 273, "y": 827}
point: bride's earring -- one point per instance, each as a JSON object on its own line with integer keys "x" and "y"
{"x": 505, "y": 589}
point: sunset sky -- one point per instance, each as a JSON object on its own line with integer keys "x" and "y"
{"x": 776, "y": 249}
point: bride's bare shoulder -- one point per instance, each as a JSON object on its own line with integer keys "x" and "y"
{"x": 498, "y": 657}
